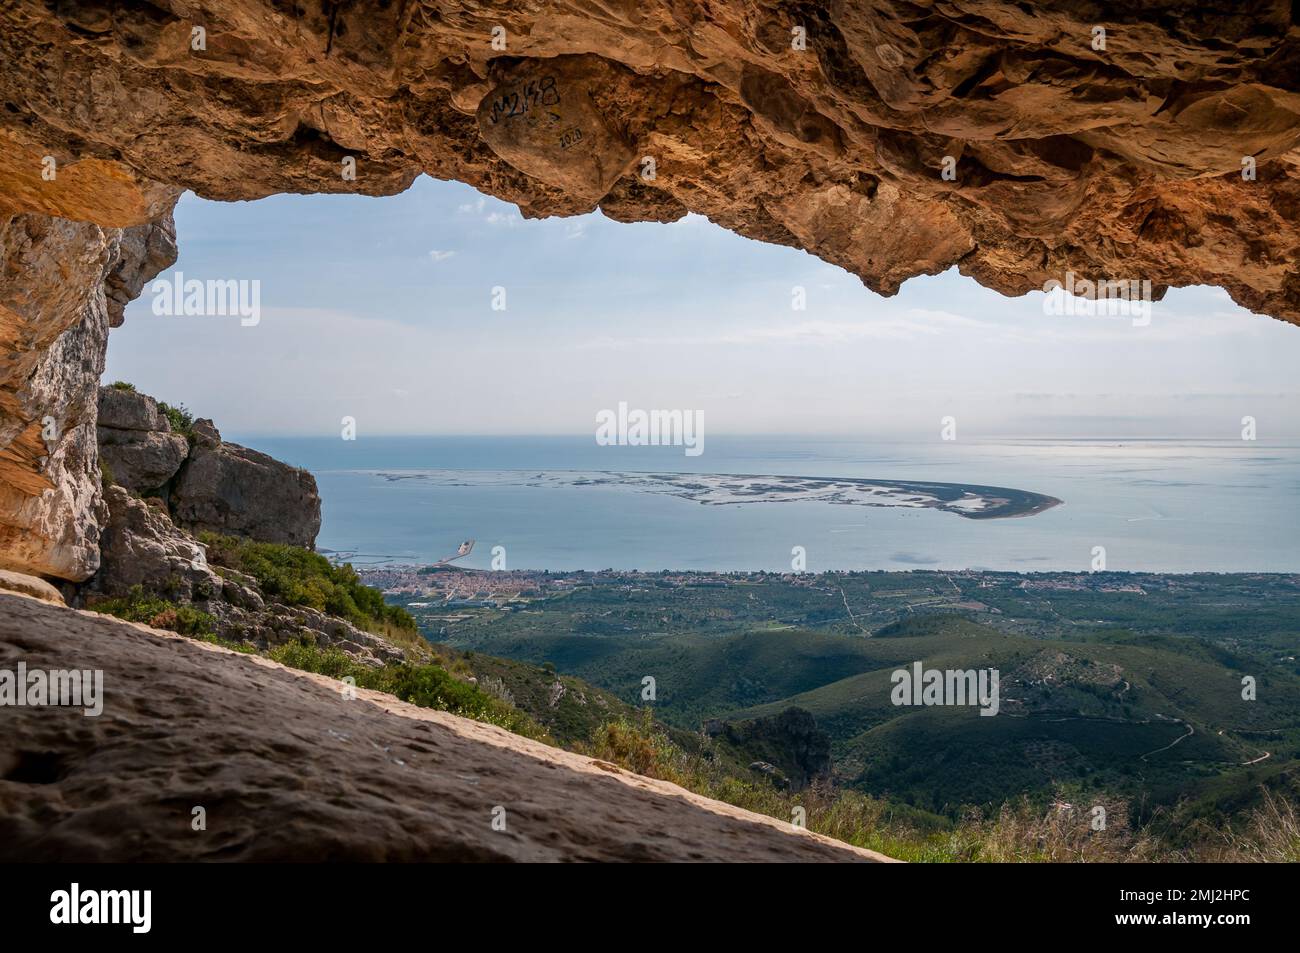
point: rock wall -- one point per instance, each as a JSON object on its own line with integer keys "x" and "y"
{"x": 206, "y": 483}
{"x": 229, "y": 489}
{"x": 62, "y": 285}
{"x": 141, "y": 546}
{"x": 1017, "y": 142}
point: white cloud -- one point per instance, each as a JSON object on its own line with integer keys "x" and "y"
{"x": 440, "y": 255}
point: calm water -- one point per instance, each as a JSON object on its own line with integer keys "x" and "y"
{"x": 1212, "y": 505}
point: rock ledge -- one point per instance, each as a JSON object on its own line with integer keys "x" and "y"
{"x": 287, "y": 769}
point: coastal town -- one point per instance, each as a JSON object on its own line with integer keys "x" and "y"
{"x": 443, "y": 596}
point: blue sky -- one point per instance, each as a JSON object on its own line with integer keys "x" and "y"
{"x": 381, "y": 309}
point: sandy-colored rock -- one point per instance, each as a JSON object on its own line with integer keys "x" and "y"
{"x": 32, "y": 586}
{"x": 1116, "y": 153}
{"x": 287, "y": 768}
{"x": 59, "y": 184}
{"x": 541, "y": 119}
{"x": 62, "y": 285}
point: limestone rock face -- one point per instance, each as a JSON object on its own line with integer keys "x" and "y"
{"x": 1100, "y": 138}
{"x": 1022, "y": 143}
{"x": 33, "y": 586}
{"x": 129, "y": 410}
{"x": 542, "y": 120}
{"x": 141, "y": 460}
{"x": 144, "y": 552}
{"x": 136, "y": 445}
{"x": 55, "y": 312}
{"x": 233, "y": 490}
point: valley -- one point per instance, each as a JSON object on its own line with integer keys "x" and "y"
{"x": 1112, "y": 684}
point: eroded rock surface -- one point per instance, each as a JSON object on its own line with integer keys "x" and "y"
{"x": 141, "y": 460}
{"x": 287, "y": 768}
{"x": 147, "y": 559}
{"x": 1017, "y": 142}
{"x": 62, "y": 285}
{"x": 1099, "y": 137}
{"x": 121, "y": 408}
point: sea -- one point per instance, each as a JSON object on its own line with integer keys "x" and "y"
{"x": 1142, "y": 505}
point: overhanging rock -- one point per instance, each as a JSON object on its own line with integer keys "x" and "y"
{"x": 1019, "y": 143}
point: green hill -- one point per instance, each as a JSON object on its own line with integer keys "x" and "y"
{"x": 1123, "y": 685}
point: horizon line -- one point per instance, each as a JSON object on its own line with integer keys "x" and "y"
{"x": 730, "y": 435}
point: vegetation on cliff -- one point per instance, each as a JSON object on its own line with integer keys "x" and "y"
{"x": 180, "y": 419}
{"x": 1020, "y": 830}
{"x": 299, "y": 577}
{"x": 426, "y": 685}
{"x": 151, "y": 609}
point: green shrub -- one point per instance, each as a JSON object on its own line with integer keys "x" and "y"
{"x": 428, "y": 686}
{"x": 643, "y": 749}
{"x": 300, "y": 577}
{"x": 139, "y": 606}
{"x": 106, "y": 475}
{"x": 182, "y": 420}
{"x": 122, "y": 385}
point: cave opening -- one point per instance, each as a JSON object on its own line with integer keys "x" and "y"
{"x": 421, "y": 333}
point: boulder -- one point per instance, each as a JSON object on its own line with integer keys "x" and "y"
{"x": 141, "y": 460}
{"x": 233, "y": 490}
{"x": 32, "y": 586}
{"x": 130, "y": 410}
{"x": 142, "y": 547}
{"x": 206, "y": 434}
{"x": 136, "y": 442}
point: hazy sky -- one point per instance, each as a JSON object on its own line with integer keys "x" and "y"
{"x": 381, "y": 309}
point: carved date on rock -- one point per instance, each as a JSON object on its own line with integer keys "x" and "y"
{"x": 550, "y": 129}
